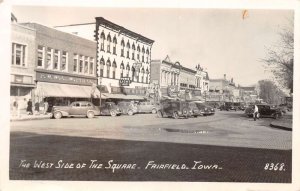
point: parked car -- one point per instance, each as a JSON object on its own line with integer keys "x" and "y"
{"x": 239, "y": 106}
{"x": 264, "y": 110}
{"x": 110, "y": 108}
{"x": 175, "y": 109}
{"x": 194, "y": 108}
{"x": 128, "y": 108}
{"x": 77, "y": 108}
{"x": 147, "y": 107}
{"x": 227, "y": 106}
{"x": 214, "y": 104}
{"x": 205, "y": 109}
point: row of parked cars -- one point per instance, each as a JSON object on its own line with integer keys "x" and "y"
{"x": 165, "y": 108}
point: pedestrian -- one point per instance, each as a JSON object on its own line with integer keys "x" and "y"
{"x": 255, "y": 113}
{"x": 15, "y": 108}
{"x": 46, "y": 106}
{"x": 29, "y": 107}
{"x": 37, "y": 108}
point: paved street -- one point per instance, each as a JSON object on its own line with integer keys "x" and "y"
{"x": 239, "y": 148}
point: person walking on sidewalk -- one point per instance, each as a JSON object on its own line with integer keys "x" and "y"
{"x": 46, "y": 106}
{"x": 37, "y": 108}
{"x": 29, "y": 107}
{"x": 255, "y": 113}
{"x": 15, "y": 108}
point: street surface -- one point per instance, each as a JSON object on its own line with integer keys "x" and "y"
{"x": 235, "y": 148}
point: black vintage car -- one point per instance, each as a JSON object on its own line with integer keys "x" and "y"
{"x": 174, "y": 108}
{"x": 205, "y": 109}
{"x": 264, "y": 110}
{"x": 194, "y": 108}
{"x": 227, "y": 106}
{"x": 127, "y": 107}
{"x": 110, "y": 108}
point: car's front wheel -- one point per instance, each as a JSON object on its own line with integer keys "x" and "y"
{"x": 175, "y": 115}
{"x": 154, "y": 111}
{"x": 90, "y": 114}
{"x": 130, "y": 112}
{"x": 113, "y": 113}
{"x": 57, "y": 115}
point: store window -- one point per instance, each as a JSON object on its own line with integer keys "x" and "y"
{"x": 75, "y": 64}
{"x": 40, "y": 56}
{"x": 64, "y": 61}
{"x": 115, "y": 45}
{"x": 81, "y": 64}
{"x": 18, "y": 54}
{"x": 56, "y": 59}
{"x": 49, "y": 58}
{"x": 91, "y": 66}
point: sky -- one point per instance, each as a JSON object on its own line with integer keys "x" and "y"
{"x": 220, "y": 40}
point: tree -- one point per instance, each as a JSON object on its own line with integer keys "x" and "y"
{"x": 280, "y": 58}
{"x": 269, "y": 92}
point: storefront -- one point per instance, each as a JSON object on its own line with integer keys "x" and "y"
{"x": 21, "y": 87}
{"x": 62, "y": 89}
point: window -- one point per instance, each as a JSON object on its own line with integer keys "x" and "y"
{"x": 102, "y": 39}
{"x": 18, "y": 54}
{"x": 49, "y": 58}
{"x": 40, "y": 58}
{"x": 114, "y": 66}
{"x": 147, "y": 75}
{"x": 128, "y": 47}
{"x": 86, "y": 65}
{"x": 75, "y": 66}
{"x": 108, "y": 43}
{"x": 143, "y": 54}
{"x": 115, "y": 45}
{"x": 143, "y": 74}
{"x": 128, "y": 69}
{"x": 133, "y": 73}
{"x": 138, "y": 52}
{"x": 108, "y": 65}
{"x": 122, "y": 48}
{"x": 81, "y": 64}
{"x": 91, "y": 68}
{"x": 64, "y": 61}
{"x": 133, "y": 51}
{"x": 102, "y": 63}
{"x": 56, "y": 60}
{"x": 122, "y": 69}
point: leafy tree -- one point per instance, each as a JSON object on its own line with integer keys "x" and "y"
{"x": 270, "y": 92}
{"x": 280, "y": 58}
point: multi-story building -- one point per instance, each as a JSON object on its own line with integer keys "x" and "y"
{"x": 64, "y": 65}
{"x": 23, "y": 60}
{"x": 122, "y": 55}
{"x": 221, "y": 90}
{"x": 175, "y": 80}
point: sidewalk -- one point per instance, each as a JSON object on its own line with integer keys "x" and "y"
{"x": 25, "y": 117}
{"x": 285, "y": 123}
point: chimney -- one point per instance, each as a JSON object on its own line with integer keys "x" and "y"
{"x": 224, "y": 76}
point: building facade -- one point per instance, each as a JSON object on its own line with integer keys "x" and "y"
{"x": 122, "y": 55}
{"x": 222, "y": 90}
{"x": 22, "y": 77}
{"x": 64, "y": 65}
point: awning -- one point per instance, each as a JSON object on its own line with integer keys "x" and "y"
{"x": 66, "y": 90}
{"x": 22, "y": 85}
{"x": 121, "y": 96}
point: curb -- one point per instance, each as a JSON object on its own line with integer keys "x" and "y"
{"x": 281, "y": 127}
{"x": 29, "y": 119}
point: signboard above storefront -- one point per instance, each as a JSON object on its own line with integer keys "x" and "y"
{"x": 45, "y": 76}
{"x": 124, "y": 81}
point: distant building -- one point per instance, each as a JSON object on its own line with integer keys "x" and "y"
{"x": 222, "y": 90}
{"x": 249, "y": 93}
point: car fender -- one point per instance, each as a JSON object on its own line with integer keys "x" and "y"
{"x": 64, "y": 113}
{"x": 96, "y": 112}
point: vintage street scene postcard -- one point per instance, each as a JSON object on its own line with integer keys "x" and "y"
{"x": 143, "y": 94}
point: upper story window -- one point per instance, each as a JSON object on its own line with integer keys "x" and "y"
{"x": 86, "y": 65}
{"x": 147, "y": 55}
{"x": 133, "y": 51}
{"x": 121, "y": 69}
{"x": 64, "y": 61}
{"x": 108, "y": 65}
{"x": 102, "y": 63}
{"x": 115, "y": 45}
{"x": 128, "y": 47}
{"x": 91, "y": 68}
{"x": 18, "y": 55}
{"x": 49, "y": 58}
{"x": 114, "y": 66}
{"x": 102, "y": 39}
{"x": 108, "y": 43}
{"x": 138, "y": 52}
{"x": 143, "y": 54}
{"x": 40, "y": 56}
{"x": 75, "y": 64}
{"x": 81, "y": 64}
{"x": 56, "y": 61}
{"x": 122, "y": 48}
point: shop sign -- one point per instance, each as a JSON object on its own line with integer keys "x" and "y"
{"x": 18, "y": 79}
{"x": 66, "y": 79}
{"x": 124, "y": 81}
{"x": 172, "y": 91}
